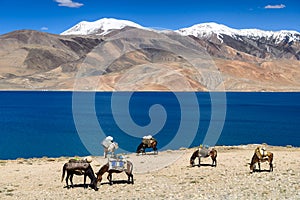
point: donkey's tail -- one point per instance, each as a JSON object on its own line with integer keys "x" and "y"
{"x": 63, "y": 172}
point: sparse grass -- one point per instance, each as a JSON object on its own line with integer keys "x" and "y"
{"x": 194, "y": 181}
{"x": 3, "y": 161}
{"x": 265, "y": 193}
{"x": 282, "y": 190}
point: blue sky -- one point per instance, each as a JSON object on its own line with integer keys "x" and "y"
{"x": 56, "y": 16}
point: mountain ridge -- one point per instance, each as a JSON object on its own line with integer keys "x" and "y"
{"x": 207, "y": 29}
{"x": 259, "y": 43}
{"x": 106, "y": 25}
{"x": 43, "y": 61}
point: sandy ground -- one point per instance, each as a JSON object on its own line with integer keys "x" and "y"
{"x": 167, "y": 175}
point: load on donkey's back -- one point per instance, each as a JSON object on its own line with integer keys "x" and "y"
{"x": 147, "y": 142}
{"x": 109, "y": 146}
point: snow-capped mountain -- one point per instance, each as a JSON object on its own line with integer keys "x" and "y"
{"x": 203, "y": 31}
{"x": 214, "y": 37}
{"x": 206, "y": 30}
{"x": 99, "y": 27}
{"x": 258, "y": 43}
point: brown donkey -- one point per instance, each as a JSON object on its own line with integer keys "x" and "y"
{"x": 105, "y": 168}
{"x": 261, "y": 155}
{"x": 147, "y": 143}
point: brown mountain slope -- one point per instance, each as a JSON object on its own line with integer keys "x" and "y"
{"x": 152, "y": 61}
{"x": 30, "y": 59}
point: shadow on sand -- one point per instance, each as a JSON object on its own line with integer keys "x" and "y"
{"x": 262, "y": 170}
{"x": 116, "y": 182}
{"x": 148, "y": 153}
{"x": 78, "y": 186}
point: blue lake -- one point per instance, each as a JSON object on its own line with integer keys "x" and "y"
{"x": 37, "y": 124}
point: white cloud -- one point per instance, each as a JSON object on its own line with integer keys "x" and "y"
{"x": 44, "y": 28}
{"x": 275, "y": 6}
{"x": 68, "y": 3}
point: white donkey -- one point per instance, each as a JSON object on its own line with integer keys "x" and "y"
{"x": 109, "y": 146}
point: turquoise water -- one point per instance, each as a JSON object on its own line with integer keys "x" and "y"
{"x": 36, "y": 124}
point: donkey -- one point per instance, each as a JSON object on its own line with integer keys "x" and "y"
{"x": 105, "y": 168}
{"x": 261, "y": 155}
{"x": 79, "y": 168}
{"x": 147, "y": 143}
{"x": 110, "y": 149}
{"x": 204, "y": 152}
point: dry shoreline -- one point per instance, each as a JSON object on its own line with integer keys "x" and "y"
{"x": 163, "y": 176}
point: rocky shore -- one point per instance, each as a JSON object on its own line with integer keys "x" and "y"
{"x": 167, "y": 175}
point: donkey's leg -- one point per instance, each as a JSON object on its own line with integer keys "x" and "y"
{"x": 84, "y": 181}
{"x": 67, "y": 178}
{"x": 258, "y": 165}
{"x": 110, "y": 179}
{"x": 71, "y": 180}
{"x": 105, "y": 153}
{"x": 271, "y": 166}
{"x": 270, "y": 159}
{"x": 214, "y": 162}
{"x": 199, "y": 161}
{"x": 131, "y": 175}
{"x": 155, "y": 150}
